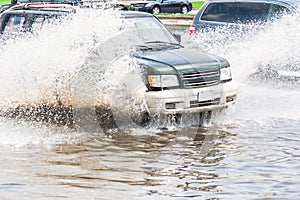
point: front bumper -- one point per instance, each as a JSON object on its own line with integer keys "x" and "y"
{"x": 196, "y": 100}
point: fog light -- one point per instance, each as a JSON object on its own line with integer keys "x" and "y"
{"x": 170, "y": 105}
{"x": 230, "y": 98}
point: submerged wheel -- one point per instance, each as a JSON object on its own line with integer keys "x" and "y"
{"x": 184, "y": 9}
{"x": 155, "y": 10}
{"x": 205, "y": 118}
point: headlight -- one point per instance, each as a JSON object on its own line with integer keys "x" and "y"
{"x": 163, "y": 80}
{"x": 225, "y": 74}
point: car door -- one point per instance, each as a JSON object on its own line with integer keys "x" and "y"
{"x": 175, "y": 6}
{"x": 166, "y": 6}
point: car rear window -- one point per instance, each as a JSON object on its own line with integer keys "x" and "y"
{"x": 241, "y": 12}
{"x": 40, "y": 21}
{"x": 14, "y": 24}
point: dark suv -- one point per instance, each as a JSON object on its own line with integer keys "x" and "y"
{"x": 174, "y": 80}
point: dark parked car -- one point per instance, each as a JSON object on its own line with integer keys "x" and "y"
{"x": 174, "y": 80}
{"x": 158, "y": 6}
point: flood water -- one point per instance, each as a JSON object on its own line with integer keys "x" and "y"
{"x": 249, "y": 152}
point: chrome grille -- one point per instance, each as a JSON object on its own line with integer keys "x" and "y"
{"x": 197, "y": 79}
{"x": 194, "y": 104}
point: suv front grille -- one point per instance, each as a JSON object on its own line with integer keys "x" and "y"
{"x": 197, "y": 79}
{"x": 194, "y": 104}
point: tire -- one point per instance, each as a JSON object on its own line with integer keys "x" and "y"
{"x": 205, "y": 118}
{"x": 184, "y": 9}
{"x": 155, "y": 10}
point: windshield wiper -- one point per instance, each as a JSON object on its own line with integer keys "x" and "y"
{"x": 165, "y": 43}
{"x": 143, "y": 47}
{"x": 157, "y": 45}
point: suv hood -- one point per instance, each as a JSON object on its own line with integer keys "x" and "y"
{"x": 180, "y": 59}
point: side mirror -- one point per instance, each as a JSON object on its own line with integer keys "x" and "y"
{"x": 177, "y": 37}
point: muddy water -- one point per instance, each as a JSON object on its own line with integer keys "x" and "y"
{"x": 250, "y": 152}
{"x": 255, "y": 154}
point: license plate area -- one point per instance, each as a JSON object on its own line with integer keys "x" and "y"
{"x": 205, "y": 95}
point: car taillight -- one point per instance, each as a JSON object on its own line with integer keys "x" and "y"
{"x": 192, "y": 30}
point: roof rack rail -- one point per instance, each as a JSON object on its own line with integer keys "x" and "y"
{"x": 72, "y": 2}
{"x": 41, "y": 5}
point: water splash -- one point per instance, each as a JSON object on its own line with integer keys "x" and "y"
{"x": 34, "y": 69}
{"x": 21, "y": 133}
{"x": 44, "y": 76}
{"x": 274, "y": 47}
{"x": 41, "y": 69}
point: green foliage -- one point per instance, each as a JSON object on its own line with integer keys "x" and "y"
{"x": 197, "y": 4}
{"x": 4, "y": 2}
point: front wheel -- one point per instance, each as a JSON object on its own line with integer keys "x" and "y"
{"x": 155, "y": 10}
{"x": 184, "y": 9}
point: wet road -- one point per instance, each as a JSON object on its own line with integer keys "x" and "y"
{"x": 252, "y": 154}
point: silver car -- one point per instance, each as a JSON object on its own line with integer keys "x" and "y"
{"x": 245, "y": 16}
{"x": 216, "y": 13}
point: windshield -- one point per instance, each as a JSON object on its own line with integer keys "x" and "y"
{"x": 149, "y": 29}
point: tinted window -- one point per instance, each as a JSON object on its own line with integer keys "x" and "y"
{"x": 40, "y": 21}
{"x": 277, "y": 10}
{"x": 37, "y": 23}
{"x": 248, "y": 12}
{"x": 222, "y": 12}
{"x": 14, "y": 24}
{"x": 243, "y": 12}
